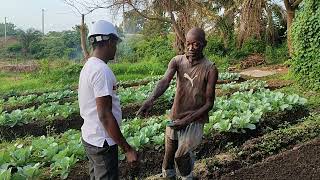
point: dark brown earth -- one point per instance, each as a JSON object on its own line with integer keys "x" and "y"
{"x": 40, "y": 128}
{"x": 277, "y": 84}
{"x": 151, "y": 159}
{"x": 252, "y": 60}
{"x": 300, "y": 163}
{"x": 217, "y": 142}
{"x": 19, "y": 68}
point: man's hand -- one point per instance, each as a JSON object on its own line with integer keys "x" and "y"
{"x": 132, "y": 156}
{"x": 180, "y": 123}
{"x": 145, "y": 109}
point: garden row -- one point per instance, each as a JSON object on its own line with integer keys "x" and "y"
{"x": 61, "y": 115}
{"x": 55, "y": 155}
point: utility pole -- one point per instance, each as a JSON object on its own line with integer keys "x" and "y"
{"x": 43, "y": 21}
{"x": 5, "y": 30}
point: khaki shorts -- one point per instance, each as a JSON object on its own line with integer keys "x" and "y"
{"x": 188, "y": 138}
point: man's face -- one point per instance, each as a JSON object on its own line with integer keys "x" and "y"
{"x": 111, "y": 48}
{"x": 194, "y": 46}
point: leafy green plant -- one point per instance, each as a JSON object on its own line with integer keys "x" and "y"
{"x": 5, "y": 174}
{"x": 306, "y": 45}
{"x": 47, "y": 111}
{"x": 244, "y": 109}
{"x": 62, "y": 166}
{"x": 30, "y": 172}
{"x": 60, "y": 152}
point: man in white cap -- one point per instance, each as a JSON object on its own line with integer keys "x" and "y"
{"x": 100, "y": 106}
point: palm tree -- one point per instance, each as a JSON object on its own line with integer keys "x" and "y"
{"x": 260, "y": 19}
{"x": 27, "y": 37}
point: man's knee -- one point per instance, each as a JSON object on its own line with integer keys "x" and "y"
{"x": 184, "y": 164}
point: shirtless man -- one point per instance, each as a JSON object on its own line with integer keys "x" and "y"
{"x": 194, "y": 98}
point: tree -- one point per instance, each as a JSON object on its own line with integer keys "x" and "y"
{"x": 260, "y": 20}
{"x": 181, "y": 14}
{"x": 291, "y": 6}
{"x": 132, "y": 22}
{"x": 26, "y": 38}
{"x": 275, "y": 22}
{"x": 250, "y": 25}
{"x": 305, "y": 35}
{"x": 10, "y": 29}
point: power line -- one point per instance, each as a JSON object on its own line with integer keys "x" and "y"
{"x": 5, "y": 30}
{"x": 43, "y": 21}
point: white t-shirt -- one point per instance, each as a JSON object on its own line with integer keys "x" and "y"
{"x": 96, "y": 80}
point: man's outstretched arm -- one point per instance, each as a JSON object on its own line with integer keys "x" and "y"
{"x": 161, "y": 87}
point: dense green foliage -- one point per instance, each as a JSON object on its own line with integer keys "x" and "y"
{"x": 224, "y": 56}
{"x": 31, "y": 156}
{"x": 54, "y": 45}
{"x": 306, "y": 44}
{"x": 137, "y": 48}
{"x": 11, "y": 29}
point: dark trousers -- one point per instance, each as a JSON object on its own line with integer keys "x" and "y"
{"x": 103, "y": 161}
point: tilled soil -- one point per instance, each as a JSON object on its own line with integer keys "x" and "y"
{"x": 44, "y": 127}
{"x": 302, "y": 162}
{"x": 151, "y": 159}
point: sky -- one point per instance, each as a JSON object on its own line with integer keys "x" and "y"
{"x": 58, "y": 16}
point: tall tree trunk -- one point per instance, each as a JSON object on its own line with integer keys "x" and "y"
{"x": 290, "y": 16}
{"x": 291, "y": 6}
{"x": 83, "y": 39}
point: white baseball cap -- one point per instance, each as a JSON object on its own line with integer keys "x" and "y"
{"x": 100, "y": 31}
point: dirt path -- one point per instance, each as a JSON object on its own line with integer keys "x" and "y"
{"x": 302, "y": 162}
{"x": 258, "y": 72}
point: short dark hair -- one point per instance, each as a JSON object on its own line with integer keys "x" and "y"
{"x": 102, "y": 43}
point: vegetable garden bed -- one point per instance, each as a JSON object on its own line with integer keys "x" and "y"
{"x": 74, "y": 121}
{"x": 212, "y": 144}
{"x": 257, "y": 149}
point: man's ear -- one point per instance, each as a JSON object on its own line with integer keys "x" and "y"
{"x": 108, "y": 43}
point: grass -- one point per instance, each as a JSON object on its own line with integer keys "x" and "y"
{"x": 20, "y": 82}
{"x": 59, "y": 74}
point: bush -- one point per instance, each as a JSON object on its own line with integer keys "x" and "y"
{"x": 306, "y": 44}
{"x": 63, "y": 72}
{"x": 14, "y": 48}
{"x": 55, "y": 45}
{"x": 248, "y": 47}
{"x": 137, "y": 49}
{"x": 143, "y": 68}
{"x": 276, "y": 54}
{"x": 253, "y": 46}
{"x": 215, "y": 46}
{"x": 222, "y": 62}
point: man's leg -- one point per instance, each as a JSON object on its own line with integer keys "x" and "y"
{"x": 188, "y": 139}
{"x": 91, "y": 169}
{"x": 104, "y": 161}
{"x": 168, "y": 169}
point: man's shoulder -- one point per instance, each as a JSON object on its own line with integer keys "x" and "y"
{"x": 178, "y": 59}
{"x": 94, "y": 65}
